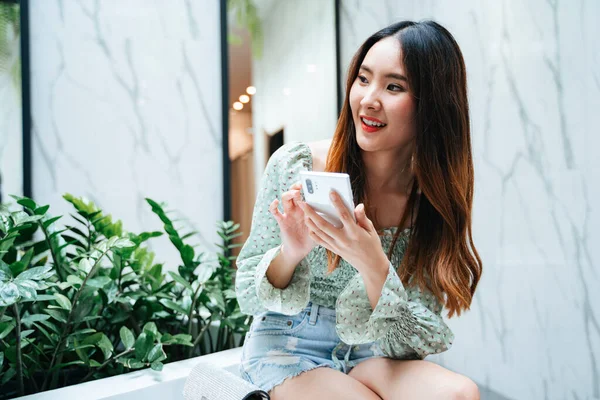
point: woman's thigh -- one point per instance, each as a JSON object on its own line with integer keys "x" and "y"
{"x": 413, "y": 379}
{"x": 322, "y": 383}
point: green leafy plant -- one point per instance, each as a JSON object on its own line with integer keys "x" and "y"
{"x": 10, "y": 34}
{"x": 246, "y": 16}
{"x": 86, "y": 300}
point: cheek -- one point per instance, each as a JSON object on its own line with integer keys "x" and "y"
{"x": 354, "y": 98}
{"x": 403, "y": 110}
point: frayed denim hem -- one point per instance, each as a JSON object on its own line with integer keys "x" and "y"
{"x": 277, "y": 383}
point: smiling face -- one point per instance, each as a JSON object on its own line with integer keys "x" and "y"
{"x": 383, "y": 108}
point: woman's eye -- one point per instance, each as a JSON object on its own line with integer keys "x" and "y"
{"x": 395, "y": 88}
{"x": 362, "y": 79}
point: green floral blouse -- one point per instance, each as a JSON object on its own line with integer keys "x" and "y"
{"x": 406, "y": 321}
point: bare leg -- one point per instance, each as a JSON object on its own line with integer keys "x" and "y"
{"x": 414, "y": 379}
{"x": 322, "y": 383}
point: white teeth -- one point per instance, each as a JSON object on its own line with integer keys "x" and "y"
{"x": 371, "y": 123}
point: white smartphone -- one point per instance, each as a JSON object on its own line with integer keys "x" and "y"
{"x": 316, "y": 187}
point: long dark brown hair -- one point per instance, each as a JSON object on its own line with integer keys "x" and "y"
{"x": 440, "y": 254}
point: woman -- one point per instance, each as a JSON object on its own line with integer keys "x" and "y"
{"x": 351, "y": 312}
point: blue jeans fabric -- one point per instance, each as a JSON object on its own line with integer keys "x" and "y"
{"x": 280, "y": 346}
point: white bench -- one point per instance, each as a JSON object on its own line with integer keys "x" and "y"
{"x": 145, "y": 384}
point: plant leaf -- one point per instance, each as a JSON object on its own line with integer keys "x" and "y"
{"x": 36, "y": 273}
{"x": 27, "y": 289}
{"x": 6, "y": 328}
{"x": 156, "y": 353}
{"x": 179, "y": 279}
{"x": 63, "y": 301}
{"x": 5, "y": 272}
{"x": 98, "y": 282}
{"x": 41, "y": 210}
{"x": 8, "y": 375}
{"x": 31, "y": 318}
{"x": 93, "y": 339}
{"x": 81, "y": 352}
{"x": 56, "y": 314}
{"x": 50, "y": 221}
{"x": 173, "y": 306}
{"x": 143, "y": 345}
{"x": 123, "y": 243}
{"x": 151, "y": 327}
{"x": 94, "y": 363}
{"x": 106, "y": 346}
{"x": 156, "y": 366}
{"x": 127, "y": 337}
{"x": 9, "y": 293}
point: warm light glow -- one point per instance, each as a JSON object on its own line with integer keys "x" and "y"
{"x": 238, "y": 106}
{"x": 244, "y": 98}
{"x": 251, "y": 90}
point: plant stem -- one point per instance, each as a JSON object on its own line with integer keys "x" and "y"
{"x": 210, "y": 344}
{"x": 192, "y": 307}
{"x": 219, "y": 334}
{"x": 19, "y": 360}
{"x": 2, "y": 311}
{"x": 105, "y": 363}
{"x": 198, "y": 338}
{"x": 66, "y": 332}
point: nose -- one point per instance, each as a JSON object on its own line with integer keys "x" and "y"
{"x": 371, "y": 99}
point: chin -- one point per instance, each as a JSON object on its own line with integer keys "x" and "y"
{"x": 366, "y": 143}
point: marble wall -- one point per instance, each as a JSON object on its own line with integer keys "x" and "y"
{"x": 534, "y": 83}
{"x": 295, "y": 78}
{"x": 11, "y": 137}
{"x": 126, "y": 104}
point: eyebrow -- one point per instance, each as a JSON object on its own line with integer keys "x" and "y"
{"x": 390, "y": 75}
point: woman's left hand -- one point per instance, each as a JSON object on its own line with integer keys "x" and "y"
{"x": 356, "y": 242}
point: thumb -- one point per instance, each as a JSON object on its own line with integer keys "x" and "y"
{"x": 361, "y": 216}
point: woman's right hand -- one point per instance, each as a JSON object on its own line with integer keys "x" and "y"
{"x": 294, "y": 233}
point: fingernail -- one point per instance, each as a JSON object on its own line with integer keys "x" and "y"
{"x": 332, "y": 194}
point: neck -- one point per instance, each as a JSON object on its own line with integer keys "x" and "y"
{"x": 389, "y": 171}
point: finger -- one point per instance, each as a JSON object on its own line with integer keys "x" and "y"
{"x": 362, "y": 219}
{"x": 296, "y": 186}
{"x": 287, "y": 199}
{"x": 341, "y": 208}
{"x": 312, "y": 227}
{"x": 320, "y": 240}
{"x": 319, "y": 221}
{"x": 274, "y": 210}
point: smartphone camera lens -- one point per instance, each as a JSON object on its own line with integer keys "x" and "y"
{"x": 309, "y": 186}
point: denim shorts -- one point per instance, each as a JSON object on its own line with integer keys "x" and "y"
{"x": 279, "y": 346}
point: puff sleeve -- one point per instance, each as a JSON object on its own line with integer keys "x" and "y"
{"x": 406, "y": 322}
{"x": 254, "y": 292}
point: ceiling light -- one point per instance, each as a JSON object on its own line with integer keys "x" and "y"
{"x": 244, "y": 98}
{"x": 238, "y": 106}
{"x": 251, "y": 90}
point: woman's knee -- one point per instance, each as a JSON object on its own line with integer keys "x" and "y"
{"x": 463, "y": 388}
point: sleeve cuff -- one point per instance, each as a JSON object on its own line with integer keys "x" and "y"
{"x": 402, "y": 327}
{"x": 356, "y": 321}
{"x": 293, "y": 298}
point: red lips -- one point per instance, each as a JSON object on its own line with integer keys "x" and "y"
{"x": 369, "y": 128}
